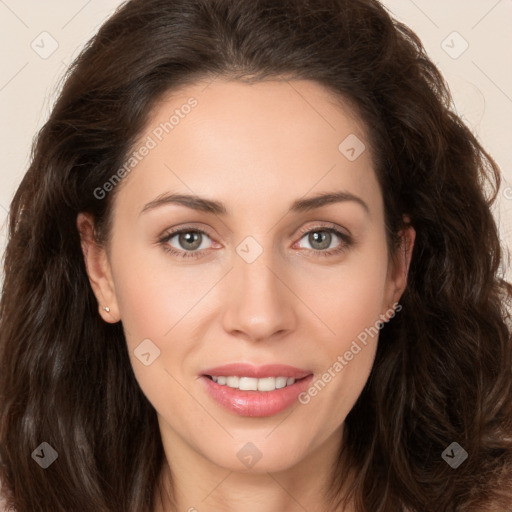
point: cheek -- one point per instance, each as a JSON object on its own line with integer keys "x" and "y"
{"x": 353, "y": 295}
{"x": 153, "y": 293}
{"x": 350, "y": 304}
{"x": 153, "y": 300}
{"x": 162, "y": 302}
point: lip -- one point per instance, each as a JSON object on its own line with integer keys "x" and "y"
{"x": 256, "y": 403}
{"x": 258, "y": 372}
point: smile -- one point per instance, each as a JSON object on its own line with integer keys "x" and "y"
{"x": 255, "y": 391}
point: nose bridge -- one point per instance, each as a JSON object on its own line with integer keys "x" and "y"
{"x": 260, "y": 305}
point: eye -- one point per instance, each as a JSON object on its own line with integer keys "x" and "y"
{"x": 186, "y": 242}
{"x": 326, "y": 241}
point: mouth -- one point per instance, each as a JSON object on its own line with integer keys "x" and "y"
{"x": 255, "y": 391}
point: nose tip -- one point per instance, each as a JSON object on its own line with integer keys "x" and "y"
{"x": 260, "y": 306}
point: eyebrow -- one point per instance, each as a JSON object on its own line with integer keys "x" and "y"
{"x": 216, "y": 207}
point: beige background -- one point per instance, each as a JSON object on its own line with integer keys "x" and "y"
{"x": 480, "y": 76}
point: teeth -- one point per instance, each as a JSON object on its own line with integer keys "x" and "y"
{"x": 267, "y": 384}
{"x": 252, "y": 384}
{"x": 248, "y": 384}
{"x": 233, "y": 382}
{"x": 281, "y": 382}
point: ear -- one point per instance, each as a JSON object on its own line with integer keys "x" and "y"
{"x": 98, "y": 269}
{"x": 399, "y": 264}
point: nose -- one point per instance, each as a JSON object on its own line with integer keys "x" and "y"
{"x": 261, "y": 304}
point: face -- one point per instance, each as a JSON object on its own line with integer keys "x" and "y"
{"x": 248, "y": 252}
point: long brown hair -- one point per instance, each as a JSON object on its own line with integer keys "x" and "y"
{"x": 443, "y": 369}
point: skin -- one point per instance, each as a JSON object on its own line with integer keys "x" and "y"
{"x": 256, "y": 148}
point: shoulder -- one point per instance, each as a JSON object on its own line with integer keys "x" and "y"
{"x": 3, "y": 506}
{"x": 3, "y": 503}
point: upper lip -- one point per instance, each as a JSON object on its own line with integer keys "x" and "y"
{"x": 258, "y": 372}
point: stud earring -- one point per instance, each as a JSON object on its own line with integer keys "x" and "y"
{"x": 107, "y": 309}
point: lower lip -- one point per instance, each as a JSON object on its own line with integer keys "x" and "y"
{"x": 256, "y": 403}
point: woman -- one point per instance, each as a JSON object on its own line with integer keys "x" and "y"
{"x": 252, "y": 266}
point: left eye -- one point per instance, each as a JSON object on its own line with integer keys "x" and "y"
{"x": 190, "y": 240}
{"x": 321, "y": 238}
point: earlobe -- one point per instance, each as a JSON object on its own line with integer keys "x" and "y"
{"x": 98, "y": 269}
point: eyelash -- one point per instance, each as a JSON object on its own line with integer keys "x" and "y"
{"x": 346, "y": 241}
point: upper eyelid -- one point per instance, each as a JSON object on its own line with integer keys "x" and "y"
{"x": 328, "y": 226}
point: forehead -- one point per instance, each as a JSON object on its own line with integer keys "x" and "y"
{"x": 262, "y": 141}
